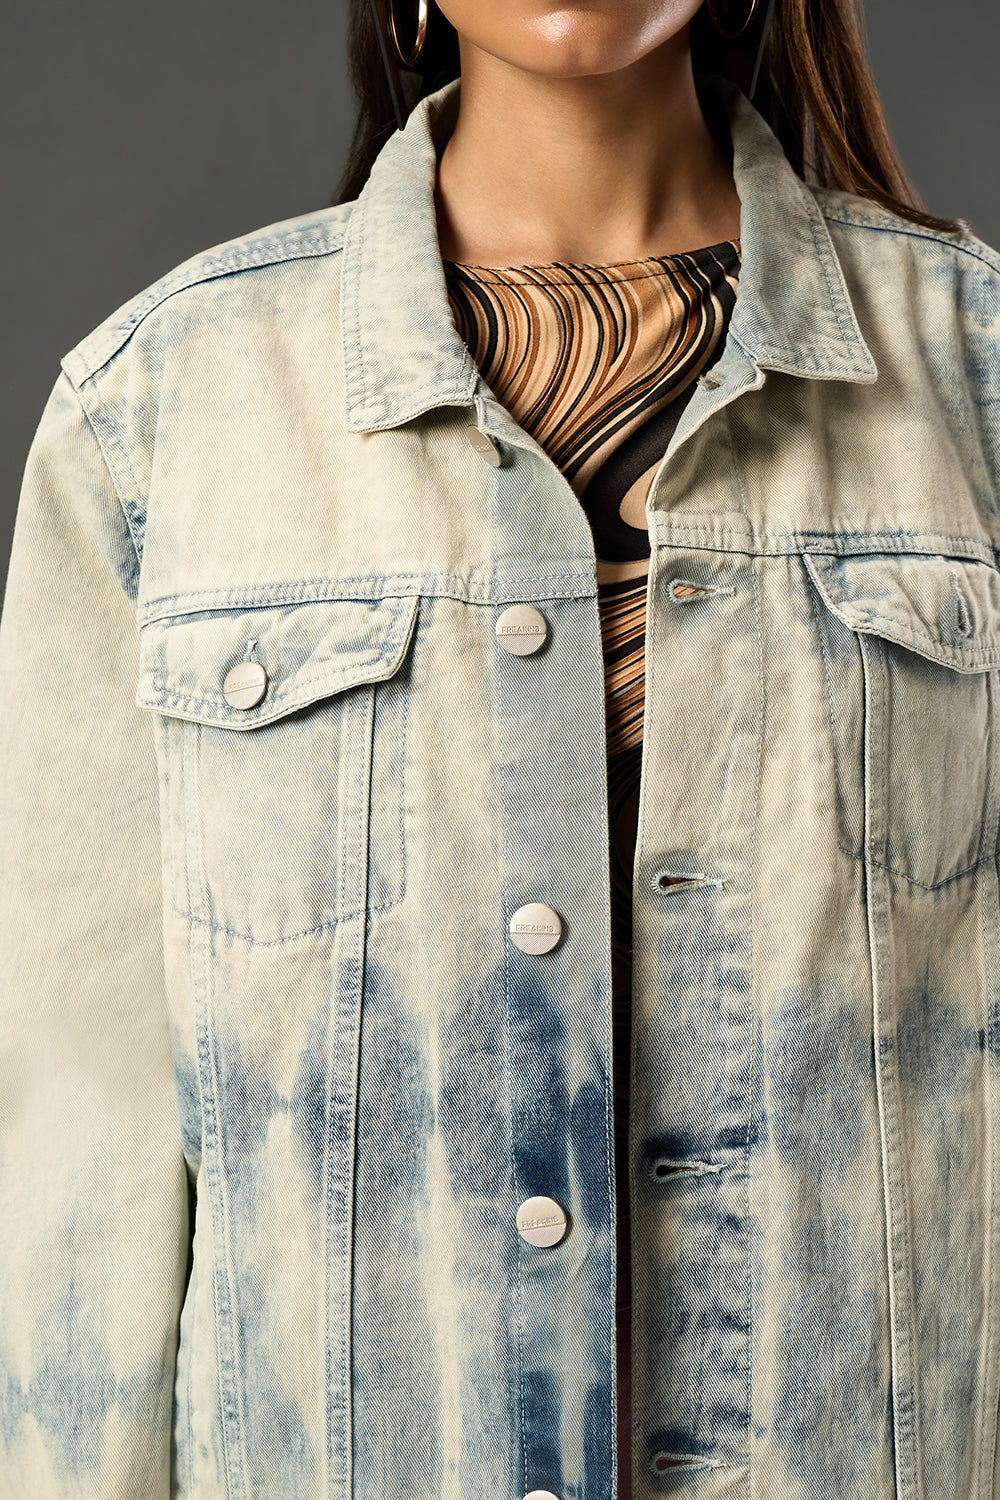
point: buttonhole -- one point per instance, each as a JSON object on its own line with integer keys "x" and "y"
{"x": 689, "y": 590}
{"x": 667, "y": 1168}
{"x": 665, "y": 880}
{"x": 663, "y": 1461}
{"x": 957, "y": 618}
{"x": 959, "y": 615}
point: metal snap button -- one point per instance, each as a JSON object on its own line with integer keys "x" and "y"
{"x": 245, "y": 684}
{"x": 535, "y": 928}
{"x": 541, "y": 1221}
{"x": 541, "y": 1495}
{"x": 484, "y": 446}
{"x": 521, "y": 629}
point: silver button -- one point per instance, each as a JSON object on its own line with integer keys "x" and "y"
{"x": 521, "y": 629}
{"x": 245, "y": 684}
{"x": 484, "y": 446}
{"x": 535, "y": 928}
{"x": 540, "y": 1495}
{"x": 541, "y": 1221}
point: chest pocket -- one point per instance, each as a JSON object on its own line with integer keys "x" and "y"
{"x": 911, "y": 648}
{"x": 282, "y": 818}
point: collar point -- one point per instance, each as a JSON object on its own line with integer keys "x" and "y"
{"x": 855, "y": 365}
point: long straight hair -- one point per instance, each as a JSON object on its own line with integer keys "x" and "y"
{"x": 815, "y": 90}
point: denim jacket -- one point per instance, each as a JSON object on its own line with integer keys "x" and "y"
{"x": 306, "y": 1169}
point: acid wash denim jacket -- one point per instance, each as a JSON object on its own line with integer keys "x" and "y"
{"x": 307, "y": 1178}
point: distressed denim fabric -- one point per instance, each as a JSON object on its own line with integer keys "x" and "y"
{"x": 275, "y": 1079}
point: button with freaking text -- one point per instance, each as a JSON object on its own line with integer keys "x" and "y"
{"x": 535, "y": 928}
{"x": 484, "y": 446}
{"x": 521, "y": 629}
{"x": 541, "y": 1221}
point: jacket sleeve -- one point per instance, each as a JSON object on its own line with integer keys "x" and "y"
{"x": 94, "y": 1210}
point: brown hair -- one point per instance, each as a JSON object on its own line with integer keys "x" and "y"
{"x": 815, "y": 91}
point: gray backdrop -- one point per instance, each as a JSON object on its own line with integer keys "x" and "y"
{"x": 132, "y": 138}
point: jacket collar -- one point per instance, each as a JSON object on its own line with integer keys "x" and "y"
{"x": 403, "y": 354}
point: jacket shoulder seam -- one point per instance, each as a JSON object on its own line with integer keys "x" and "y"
{"x": 971, "y": 246}
{"x": 129, "y": 584}
{"x": 88, "y": 357}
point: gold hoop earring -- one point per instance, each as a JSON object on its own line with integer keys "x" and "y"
{"x": 720, "y": 15}
{"x": 421, "y": 37}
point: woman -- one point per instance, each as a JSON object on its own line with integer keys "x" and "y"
{"x": 500, "y": 769}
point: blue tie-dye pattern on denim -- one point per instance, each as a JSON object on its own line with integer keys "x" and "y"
{"x": 275, "y": 1080}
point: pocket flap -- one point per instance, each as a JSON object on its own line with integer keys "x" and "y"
{"x": 307, "y": 650}
{"x": 944, "y": 608}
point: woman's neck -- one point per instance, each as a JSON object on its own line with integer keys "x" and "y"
{"x": 595, "y": 168}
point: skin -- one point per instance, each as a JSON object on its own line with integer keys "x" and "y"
{"x": 579, "y": 136}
